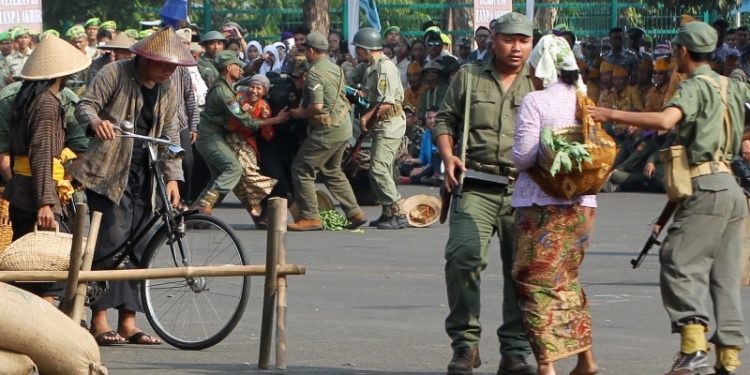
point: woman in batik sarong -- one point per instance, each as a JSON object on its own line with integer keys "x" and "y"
{"x": 253, "y": 187}
{"x": 553, "y": 234}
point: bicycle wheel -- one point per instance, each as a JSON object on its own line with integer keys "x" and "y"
{"x": 195, "y": 313}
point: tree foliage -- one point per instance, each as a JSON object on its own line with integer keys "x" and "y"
{"x": 61, "y": 15}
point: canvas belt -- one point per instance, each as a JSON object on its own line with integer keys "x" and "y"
{"x": 497, "y": 170}
{"x": 395, "y": 111}
{"x": 709, "y": 167}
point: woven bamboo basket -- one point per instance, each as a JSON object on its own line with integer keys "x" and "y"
{"x": 38, "y": 251}
{"x": 6, "y": 230}
{"x": 591, "y": 177}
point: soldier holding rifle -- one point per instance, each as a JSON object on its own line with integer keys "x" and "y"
{"x": 497, "y": 87}
{"x": 701, "y": 254}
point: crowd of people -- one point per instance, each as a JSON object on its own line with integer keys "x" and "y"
{"x": 269, "y": 121}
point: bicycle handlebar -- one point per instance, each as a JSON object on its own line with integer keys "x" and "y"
{"x": 127, "y": 127}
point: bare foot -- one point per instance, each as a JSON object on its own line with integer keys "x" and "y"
{"x": 588, "y": 369}
{"x": 546, "y": 369}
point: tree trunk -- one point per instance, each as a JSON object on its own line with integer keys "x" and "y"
{"x": 316, "y": 15}
{"x": 463, "y": 18}
{"x": 544, "y": 17}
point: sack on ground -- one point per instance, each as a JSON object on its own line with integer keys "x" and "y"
{"x": 16, "y": 364}
{"x": 56, "y": 344}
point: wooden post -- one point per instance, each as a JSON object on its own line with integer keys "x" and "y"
{"x": 275, "y": 208}
{"x": 88, "y": 259}
{"x": 76, "y": 253}
{"x": 281, "y": 299}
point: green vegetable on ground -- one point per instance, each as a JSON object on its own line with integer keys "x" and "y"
{"x": 332, "y": 220}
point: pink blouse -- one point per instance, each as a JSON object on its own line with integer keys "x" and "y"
{"x": 553, "y": 107}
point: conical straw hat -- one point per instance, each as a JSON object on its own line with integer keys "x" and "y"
{"x": 120, "y": 41}
{"x": 164, "y": 46}
{"x": 53, "y": 58}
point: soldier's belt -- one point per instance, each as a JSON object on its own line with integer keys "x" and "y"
{"x": 709, "y": 168}
{"x": 473, "y": 175}
{"x": 497, "y": 170}
{"x": 395, "y": 111}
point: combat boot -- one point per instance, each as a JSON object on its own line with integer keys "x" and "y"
{"x": 727, "y": 360}
{"x": 397, "y": 219}
{"x": 356, "y": 220}
{"x": 384, "y": 216}
{"x": 515, "y": 365}
{"x": 464, "y": 360}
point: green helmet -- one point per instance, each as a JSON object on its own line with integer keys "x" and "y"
{"x": 212, "y": 35}
{"x": 368, "y": 38}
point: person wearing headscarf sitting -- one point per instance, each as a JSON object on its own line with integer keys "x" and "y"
{"x": 271, "y": 60}
{"x": 553, "y": 233}
{"x": 254, "y": 50}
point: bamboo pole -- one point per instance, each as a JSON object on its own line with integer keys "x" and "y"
{"x": 76, "y": 253}
{"x": 151, "y": 273}
{"x": 281, "y": 304}
{"x": 88, "y": 259}
{"x": 269, "y": 291}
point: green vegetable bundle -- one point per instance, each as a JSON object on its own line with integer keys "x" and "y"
{"x": 332, "y": 220}
{"x": 566, "y": 154}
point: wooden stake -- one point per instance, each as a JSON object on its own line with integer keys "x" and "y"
{"x": 76, "y": 253}
{"x": 151, "y": 273}
{"x": 281, "y": 299}
{"x": 269, "y": 292}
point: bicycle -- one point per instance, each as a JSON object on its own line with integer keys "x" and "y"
{"x": 184, "y": 312}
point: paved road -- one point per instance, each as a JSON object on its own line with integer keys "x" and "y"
{"x": 374, "y": 303}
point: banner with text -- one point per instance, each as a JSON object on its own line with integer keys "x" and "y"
{"x": 488, "y": 10}
{"x": 27, "y": 13}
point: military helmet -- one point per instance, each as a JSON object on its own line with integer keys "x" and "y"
{"x": 368, "y": 38}
{"x": 212, "y": 35}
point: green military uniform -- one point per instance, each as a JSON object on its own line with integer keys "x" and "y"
{"x": 485, "y": 207}
{"x": 16, "y": 60}
{"x": 221, "y": 105}
{"x": 628, "y": 175}
{"x": 324, "y": 147}
{"x": 701, "y": 254}
{"x": 4, "y": 68}
{"x": 75, "y": 137}
{"x": 383, "y": 85}
{"x": 207, "y": 70}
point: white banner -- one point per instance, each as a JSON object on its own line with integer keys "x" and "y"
{"x": 27, "y": 13}
{"x": 488, "y": 10}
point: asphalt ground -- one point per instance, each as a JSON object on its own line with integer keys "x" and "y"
{"x": 374, "y": 302}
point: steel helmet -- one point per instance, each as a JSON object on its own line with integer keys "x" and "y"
{"x": 368, "y": 38}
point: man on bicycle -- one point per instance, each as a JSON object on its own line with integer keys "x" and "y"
{"x": 115, "y": 172}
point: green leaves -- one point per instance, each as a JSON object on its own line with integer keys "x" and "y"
{"x": 567, "y": 154}
{"x": 332, "y": 220}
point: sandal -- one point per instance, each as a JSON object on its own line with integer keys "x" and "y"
{"x": 109, "y": 338}
{"x": 143, "y": 338}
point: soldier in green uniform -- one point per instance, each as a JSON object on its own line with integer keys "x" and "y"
{"x": 701, "y": 255}
{"x": 498, "y": 85}
{"x": 221, "y": 105}
{"x": 326, "y": 109}
{"x": 433, "y": 76}
{"x": 213, "y": 43}
{"x": 17, "y": 59}
{"x": 382, "y": 86}
{"x": 6, "y": 48}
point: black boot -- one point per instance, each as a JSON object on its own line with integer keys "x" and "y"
{"x": 384, "y": 216}
{"x": 463, "y": 361}
{"x": 391, "y": 222}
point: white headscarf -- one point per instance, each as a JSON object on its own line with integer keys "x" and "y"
{"x": 551, "y": 55}
{"x": 265, "y": 68}
{"x": 257, "y": 45}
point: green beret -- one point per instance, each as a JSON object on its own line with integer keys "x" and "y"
{"x": 391, "y": 28}
{"x": 316, "y": 40}
{"x": 20, "y": 31}
{"x": 697, "y": 37}
{"x": 49, "y": 32}
{"x": 514, "y": 23}
{"x": 95, "y": 22}
{"x": 5, "y": 36}
{"x": 225, "y": 58}
{"x": 131, "y": 33}
{"x": 144, "y": 33}
{"x": 109, "y": 25}
{"x": 75, "y": 32}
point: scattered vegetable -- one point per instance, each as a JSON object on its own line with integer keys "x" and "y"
{"x": 332, "y": 220}
{"x": 567, "y": 154}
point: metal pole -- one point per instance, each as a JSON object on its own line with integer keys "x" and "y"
{"x": 207, "y": 16}
{"x": 269, "y": 292}
{"x": 76, "y": 254}
{"x": 281, "y": 304}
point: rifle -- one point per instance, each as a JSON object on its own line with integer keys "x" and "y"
{"x": 457, "y": 192}
{"x": 653, "y": 238}
{"x": 350, "y": 162}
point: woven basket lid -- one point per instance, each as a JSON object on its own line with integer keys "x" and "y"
{"x": 164, "y": 46}
{"x": 422, "y": 210}
{"x": 53, "y": 58}
{"x": 120, "y": 41}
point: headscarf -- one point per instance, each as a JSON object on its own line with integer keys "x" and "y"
{"x": 260, "y": 80}
{"x": 257, "y": 45}
{"x": 550, "y": 56}
{"x": 281, "y": 45}
{"x": 265, "y": 68}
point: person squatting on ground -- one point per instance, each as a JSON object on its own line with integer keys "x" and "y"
{"x": 498, "y": 85}
{"x": 701, "y": 255}
{"x": 553, "y": 233}
{"x": 382, "y": 86}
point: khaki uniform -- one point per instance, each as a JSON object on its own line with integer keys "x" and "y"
{"x": 484, "y": 208}
{"x": 383, "y": 85}
{"x": 208, "y": 70}
{"x": 15, "y": 62}
{"x": 701, "y": 254}
{"x": 324, "y": 147}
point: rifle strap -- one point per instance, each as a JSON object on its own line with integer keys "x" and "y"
{"x": 467, "y": 114}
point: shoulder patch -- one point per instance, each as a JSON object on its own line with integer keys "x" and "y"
{"x": 313, "y": 88}
{"x": 234, "y": 107}
{"x": 382, "y": 84}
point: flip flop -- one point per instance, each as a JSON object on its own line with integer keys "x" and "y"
{"x": 142, "y": 338}
{"x": 109, "y": 338}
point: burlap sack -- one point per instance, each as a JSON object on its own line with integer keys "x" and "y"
{"x": 55, "y": 343}
{"x": 16, "y": 364}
